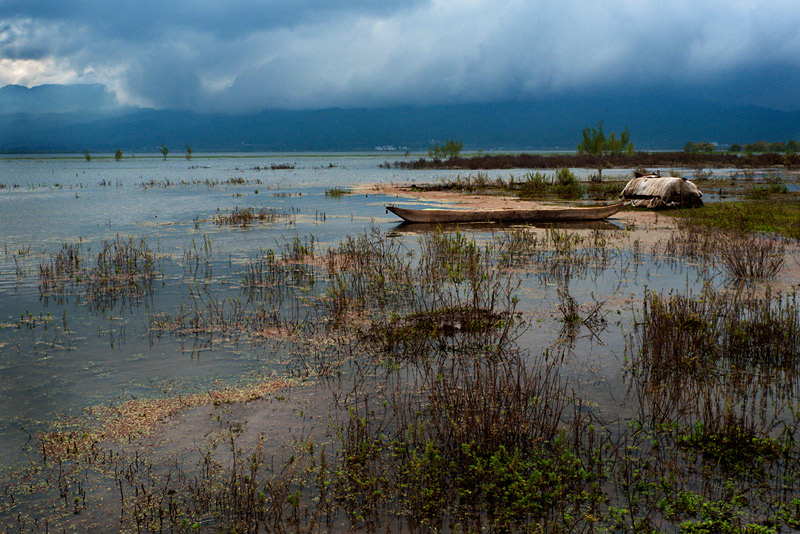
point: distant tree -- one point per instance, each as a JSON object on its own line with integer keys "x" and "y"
{"x": 622, "y": 145}
{"x": 694, "y": 148}
{"x": 758, "y": 146}
{"x": 735, "y": 147}
{"x": 792, "y": 146}
{"x": 164, "y": 151}
{"x": 87, "y": 155}
{"x": 188, "y": 152}
{"x": 777, "y": 147}
{"x": 449, "y": 150}
{"x": 118, "y": 155}
{"x": 596, "y": 143}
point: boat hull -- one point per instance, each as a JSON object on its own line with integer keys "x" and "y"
{"x": 591, "y": 213}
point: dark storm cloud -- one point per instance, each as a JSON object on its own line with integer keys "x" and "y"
{"x": 143, "y": 20}
{"x": 248, "y": 54}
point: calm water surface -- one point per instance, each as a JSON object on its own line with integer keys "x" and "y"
{"x": 60, "y": 356}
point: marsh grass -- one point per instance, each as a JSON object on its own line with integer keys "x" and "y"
{"x": 781, "y": 218}
{"x": 438, "y": 419}
{"x": 248, "y": 216}
{"x": 532, "y": 185}
{"x": 124, "y": 271}
{"x": 336, "y": 192}
{"x": 475, "y": 183}
{"x": 682, "y": 333}
{"x": 515, "y": 247}
{"x": 535, "y": 185}
{"x": 563, "y": 184}
{"x": 566, "y": 185}
{"x": 745, "y": 256}
{"x": 63, "y": 267}
{"x": 762, "y": 192}
{"x": 167, "y": 183}
{"x": 751, "y": 257}
{"x": 479, "y": 442}
{"x": 573, "y": 316}
{"x": 609, "y": 189}
{"x": 298, "y": 249}
{"x": 715, "y": 380}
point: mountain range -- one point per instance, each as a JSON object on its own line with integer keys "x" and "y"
{"x": 74, "y": 118}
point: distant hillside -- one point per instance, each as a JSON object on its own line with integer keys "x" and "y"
{"x": 654, "y": 123}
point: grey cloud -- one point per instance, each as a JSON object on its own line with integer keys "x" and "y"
{"x": 249, "y": 54}
{"x": 147, "y": 19}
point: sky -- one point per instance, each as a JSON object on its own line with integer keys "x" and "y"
{"x": 248, "y": 55}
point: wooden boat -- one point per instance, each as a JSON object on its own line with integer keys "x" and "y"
{"x": 543, "y": 214}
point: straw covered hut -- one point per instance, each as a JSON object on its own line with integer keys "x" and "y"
{"x": 654, "y": 191}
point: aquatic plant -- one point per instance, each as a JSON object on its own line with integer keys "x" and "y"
{"x": 336, "y": 192}
{"x": 686, "y": 333}
{"x": 535, "y": 185}
{"x": 566, "y": 185}
{"x": 248, "y": 216}
{"x": 748, "y": 256}
{"x": 781, "y": 218}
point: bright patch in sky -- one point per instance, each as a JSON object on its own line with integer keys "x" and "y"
{"x": 31, "y": 72}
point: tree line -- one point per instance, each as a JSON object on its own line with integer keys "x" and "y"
{"x": 791, "y": 146}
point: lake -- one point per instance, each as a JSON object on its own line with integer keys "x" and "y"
{"x": 79, "y": 345}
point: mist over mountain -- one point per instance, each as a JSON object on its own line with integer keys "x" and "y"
{"x": 86, "y": 98}
{"x": 72, "y": 118}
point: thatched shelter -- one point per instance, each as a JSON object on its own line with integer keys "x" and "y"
{"x": 654, "y": 191}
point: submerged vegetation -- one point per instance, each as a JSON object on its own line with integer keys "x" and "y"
{"x": 447, "y": 380}
{"x": 124, "y": 271}
{"x": 248, "y": 216}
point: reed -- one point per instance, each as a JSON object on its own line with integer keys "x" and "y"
{"x": 574, "y": 316}
{"x": 336, "y": 192}
{"x": 751, "y": 257}
{"x": 535, "y": 185}
{"x": 682, "y": 333}
{"x": 769, "y": 218}
{"x": 64, "y": 266}
{"x": 248, "y": 216}
{"x": 436, "y": 416}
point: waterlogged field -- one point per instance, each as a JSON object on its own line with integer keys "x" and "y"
{"x": 242, "y": 344}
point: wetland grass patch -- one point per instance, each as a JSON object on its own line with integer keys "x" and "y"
{"x": 778, "y": 218}
{"x": 244, "y": 217}
{"x": 337, "y": 192}
{"x": 745, "y": 255}
{"x": 695, "y": 334}
{"x": 715, "y": 379}
{"x": 440, "y": 421}
{"x": 124, "y": 270}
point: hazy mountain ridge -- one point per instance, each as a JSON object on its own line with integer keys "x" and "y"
{"x": 74, "y": 118}
{"x": 56, "y": 99}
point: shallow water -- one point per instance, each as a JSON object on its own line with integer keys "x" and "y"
{"x": 60, "y": 356}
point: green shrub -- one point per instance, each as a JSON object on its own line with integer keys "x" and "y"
{"x": 566, "y": 186}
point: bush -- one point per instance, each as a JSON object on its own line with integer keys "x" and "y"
{"x": 535, "y": 185}
{"x": 566, "y": 186}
